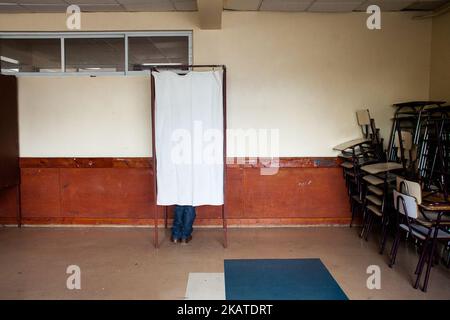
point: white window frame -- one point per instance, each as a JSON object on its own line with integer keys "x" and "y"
{"x": 66, "y": 35}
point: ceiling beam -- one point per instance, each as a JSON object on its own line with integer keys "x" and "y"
{"x": 210, "y": 12}
{"x": 437, "y": 12}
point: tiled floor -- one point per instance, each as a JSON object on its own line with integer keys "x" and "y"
{"x": 121, "y": 263}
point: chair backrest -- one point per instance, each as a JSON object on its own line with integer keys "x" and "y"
{"x": 410, "y": 188}
{"x": 406, "y": 140}
{"x": 363, "y": 117}
{"x": 406, "y": 205}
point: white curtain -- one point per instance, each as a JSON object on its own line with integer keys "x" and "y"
{"x": 189, "y": 138}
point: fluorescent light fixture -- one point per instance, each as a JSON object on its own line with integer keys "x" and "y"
{"x": 9, "y": 60}
{"x": 158, "y": 64}
{"x": 97, "y": 69}
{"x": 50, "y": 70}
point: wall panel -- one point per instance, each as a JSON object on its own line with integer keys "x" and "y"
{"x": 120, "y": 191}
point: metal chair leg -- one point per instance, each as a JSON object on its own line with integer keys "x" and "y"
{"x": 421, "y": 257}
{"x": 365, "y": 222}
{"x": 369, "y": 227}
{"x": 364, "y": 226}
{"x": 352, "y": 209}
{"x": 421, "y": 264}
{"x": 429, "y": 265}
{"x": 394, "y": 249}
{"x": 384, "y": 233}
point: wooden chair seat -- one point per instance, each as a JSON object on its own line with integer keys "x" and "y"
{"x": 347, "y": 165}
{"x": 376, "y": 210}
{"x": 379, "y": 192}
{"x": 374, "y": 199}
{"x": 373, "y": 180}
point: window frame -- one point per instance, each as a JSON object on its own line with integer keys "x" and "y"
{"x": 80, "y": 35}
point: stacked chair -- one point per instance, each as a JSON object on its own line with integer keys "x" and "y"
{"x": 379, "y": 185}
{"x": 410, "y": 116}
{"x": 426, "y": 155}
{"x": 374, "y": 202}
{"x": 417, "y": 224}
{"x": 357, "y": 153}
{"x": 389, "y": 186}
{"x": 378, "y": 182}
{"x": 433, "y": 166}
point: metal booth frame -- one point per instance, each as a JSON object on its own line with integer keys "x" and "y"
{"x": 188, "y": 68}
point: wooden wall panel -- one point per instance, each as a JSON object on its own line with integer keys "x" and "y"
{"x": 85, "y": 162}
{"x": 40, "y": 192}
{"x": 8, "y": 204}
{"x": 295, "y": 192}
{"x": 235, "y": 191}
{"x": 106, "y": 192}
{"x": 233, "y": 200}
{"x": 120, "y": 191}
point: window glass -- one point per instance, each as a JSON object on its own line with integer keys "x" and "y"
{"x": 143, "y": 52}
{"x": 30, "y": 55}
{"x": 94, "y": 54}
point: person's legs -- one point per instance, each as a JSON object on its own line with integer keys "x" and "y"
{"x": 177, "y": 228}
{"x": 189, "y": 217}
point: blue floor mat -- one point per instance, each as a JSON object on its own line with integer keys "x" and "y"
{"x": 280, "y": 279}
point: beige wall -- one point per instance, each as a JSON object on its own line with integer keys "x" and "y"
{"x": 303, "y": 73}
{"x": 440, "y": 58}
{"x": 83, "y": 116}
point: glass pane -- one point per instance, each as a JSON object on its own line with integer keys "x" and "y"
{"x": 143, "y": 52}
{"x": 94, "y": 54}
{"x": 30, "y": 55}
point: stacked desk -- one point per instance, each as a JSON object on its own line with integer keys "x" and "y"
{"x": 377, "y": 191}
{"x": 355, "y": 153}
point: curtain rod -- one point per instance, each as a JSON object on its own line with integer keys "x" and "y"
{"x": 184, "y": 66}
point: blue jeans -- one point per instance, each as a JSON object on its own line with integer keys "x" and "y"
{"x": 183, "y": 221}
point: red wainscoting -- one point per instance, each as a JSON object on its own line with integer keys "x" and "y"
{"x": 120, "y": 191}
{"x": 8, "y": 205}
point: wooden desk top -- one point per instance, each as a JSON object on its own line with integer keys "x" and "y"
{"x": 418, "y": 103}
{"x": 435, "y": 206}
{"x": 435, "y": 202}
{"x": 381, "y": 167}
{"x": 350, "y": 144}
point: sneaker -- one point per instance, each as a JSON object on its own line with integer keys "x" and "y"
{"x": 185, "y": 241}
{"x": 174, "y": 240}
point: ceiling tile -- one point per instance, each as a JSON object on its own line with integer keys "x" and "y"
{"x": 387, "y": 5}
{"x": 242, "y": 5}
{"x": 45, "y": 7}
{"x": 185, "y": 5}
{"x": 100, "y": 7}
{"x": 57, "y": 2}
{"x": 12, "y": 8}
{"x": 133, "y": 5}
{"x": 285, "y": 5}
{"x": 90, "y": 2}
{"x": 335, "y": 6}
{"x": 153, "y": 3}
{"x": 427, "y": 5}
